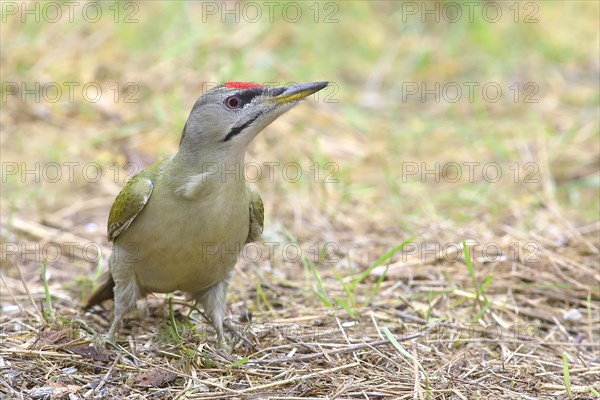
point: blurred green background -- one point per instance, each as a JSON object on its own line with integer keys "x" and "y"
{"x": 153, "y": 59}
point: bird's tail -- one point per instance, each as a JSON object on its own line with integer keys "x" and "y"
{"x": 103, "y": 292}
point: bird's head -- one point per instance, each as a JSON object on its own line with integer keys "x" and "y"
{"x": 231, "y": 115}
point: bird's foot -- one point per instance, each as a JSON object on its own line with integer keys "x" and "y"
{"x": 224, "y": 345}
{"x": 238, "y": 334}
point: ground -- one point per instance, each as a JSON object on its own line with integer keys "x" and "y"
{"x": 431, "y": 226}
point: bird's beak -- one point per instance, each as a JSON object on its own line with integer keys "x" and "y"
{"x": 296, "y": 92}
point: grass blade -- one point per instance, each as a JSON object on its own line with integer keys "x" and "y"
{"x": 566, "y": 375}
{"x": 386, "y": 257}
{"x": 320, "y": 290}
{"x": 48, "y": 312}
{"x": 390, "y": 336}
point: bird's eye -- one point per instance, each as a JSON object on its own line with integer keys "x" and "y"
{"x": 233, "y": 102}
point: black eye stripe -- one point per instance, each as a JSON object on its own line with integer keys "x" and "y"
{"x": 238, "y": 129}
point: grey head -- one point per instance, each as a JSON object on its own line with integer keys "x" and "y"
{"x": 229, "y": 116}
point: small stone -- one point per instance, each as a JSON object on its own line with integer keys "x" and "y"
{"x": 572, "y": 315}
{"x": 41, "y": 392}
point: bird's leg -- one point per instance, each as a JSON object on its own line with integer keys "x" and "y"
{"x": 213, "y": 300}
{"x": 126, "y": 294}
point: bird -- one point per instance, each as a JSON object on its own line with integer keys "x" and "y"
{"x": 181, "y": 224}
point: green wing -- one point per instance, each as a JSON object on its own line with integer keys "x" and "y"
{"x": 257, "y": 215}
{"x": 131, "y": 200}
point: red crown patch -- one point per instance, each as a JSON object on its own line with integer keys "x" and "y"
{"x": 242, "y": 85}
